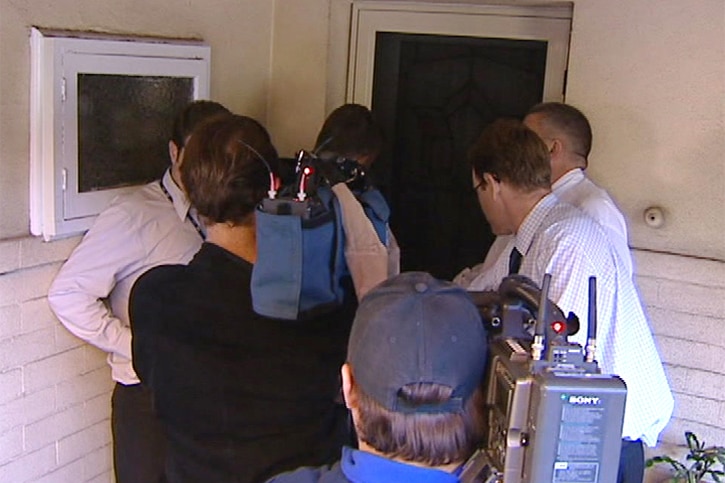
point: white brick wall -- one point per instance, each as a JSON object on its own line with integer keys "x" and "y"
{"x": 54, "y": 389}
{"x": 685, "y": 300}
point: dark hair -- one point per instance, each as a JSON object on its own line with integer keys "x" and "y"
{"x": 432, "y": 439}
{"x": 569, "y": 121}
{"x": 224, "y": 170}
{"x": 510, "y": 151}
{"x": 350, "y": 131}
{"x": 189, "y": 117}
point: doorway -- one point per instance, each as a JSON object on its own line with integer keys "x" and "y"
{"x": 448, "y": 90}
{"x": 435, "y": 77}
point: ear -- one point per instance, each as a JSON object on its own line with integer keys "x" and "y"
{"x": 348, "y": 382}
{"x": 490, "y": 181}
{"x": 556, "y": 148}
{"x": 173, "y": 152}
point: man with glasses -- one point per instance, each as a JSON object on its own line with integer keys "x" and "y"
{"x": 568, "y": 136}
{"x": 511, "y": 172}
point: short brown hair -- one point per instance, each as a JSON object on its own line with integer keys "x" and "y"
{"x": 568, "y": 121}
{"x": 432, "y": 439}
{"x": 350, "y": 131}
{"x": 226, "y": 168}
{"x": 190, "y": 116}
{"x": 510, "y": 151}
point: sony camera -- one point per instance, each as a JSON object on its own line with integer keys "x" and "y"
{"x": 551, "y": 415}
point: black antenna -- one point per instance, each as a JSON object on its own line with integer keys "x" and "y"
{"x": 592, "y": 320}
{"x": 537, "y": 347}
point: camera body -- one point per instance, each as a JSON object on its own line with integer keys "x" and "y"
{"x": 551, "y": 415}
{"x": 302, "y": 178}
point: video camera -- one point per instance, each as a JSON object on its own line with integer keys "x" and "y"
{"x": 309, "y": 170}
{"x": 551, "y": 415}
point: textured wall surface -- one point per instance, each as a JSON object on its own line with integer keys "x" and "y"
{"x": 651, "y": 77}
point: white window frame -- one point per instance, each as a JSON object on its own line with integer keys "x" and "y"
{"x": 57, "y": 208}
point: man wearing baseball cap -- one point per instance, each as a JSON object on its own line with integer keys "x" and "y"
{"x": 415, "y": 361}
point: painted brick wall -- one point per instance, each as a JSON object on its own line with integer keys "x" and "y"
{"x": 685, "y": 300}
{"x": 54, "y": 389}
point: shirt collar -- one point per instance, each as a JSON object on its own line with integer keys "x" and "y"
{"x": 572, "y": 176}
{"x": 178, "y": 198}
{"x": 530, "y": 226}
{"x": 363, "y": 466}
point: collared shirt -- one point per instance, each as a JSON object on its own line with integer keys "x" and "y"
{"x": 557, "y": 238}
{"x": 576, "y": 189}
{"x": 136, "y": 232}
{"x": 363, "y": 467}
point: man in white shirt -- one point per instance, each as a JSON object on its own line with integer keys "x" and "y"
{"x": 511, "y": 176}
{"x": 152, "y": 226}
{"x": 568, "y": 136}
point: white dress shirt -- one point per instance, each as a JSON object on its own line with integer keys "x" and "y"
{"x": 576, "y": 189}
{"x": 137, "y": 231}
{"x": 557, "y": 238}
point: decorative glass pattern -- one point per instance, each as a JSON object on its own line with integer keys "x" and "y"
{"x": 434, "y": 95}
{"x": 124, "y": 127}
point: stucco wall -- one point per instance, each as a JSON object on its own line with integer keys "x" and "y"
{"x": 651, "y": 76}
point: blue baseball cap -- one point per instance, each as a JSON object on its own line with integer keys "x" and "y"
{"x": 413, "y": 328}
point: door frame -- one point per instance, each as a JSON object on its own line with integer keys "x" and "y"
{"x": 366, "y": 18}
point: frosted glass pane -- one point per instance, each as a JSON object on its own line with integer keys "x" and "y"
{"x": 124, "y": 125}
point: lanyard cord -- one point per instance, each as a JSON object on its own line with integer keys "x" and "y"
{"x": 188, "y": 214}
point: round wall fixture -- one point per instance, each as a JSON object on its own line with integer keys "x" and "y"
{"x": 654, "y": 217}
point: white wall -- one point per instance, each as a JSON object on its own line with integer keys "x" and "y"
{"x": 651, "y": 76}
{"x": 649, "y": 73}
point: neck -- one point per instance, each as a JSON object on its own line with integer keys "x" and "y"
{"x": 241, "y": 240}
{"x": 448, "y": 468}
{"x": 519, "y": 205}
{"x": 559, "y": 169}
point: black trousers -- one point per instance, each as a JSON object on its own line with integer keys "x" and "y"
{"x": 139, "y": 445}
{"x": 631, "y": 462}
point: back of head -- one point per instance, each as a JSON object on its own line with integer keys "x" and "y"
{"x": 417, "y": 352}
{"x": 564, "y": 120}
{"x": 511, "y": 152}
{"x": 350, "y": 131}
{"x": 226, "y": 168}
{"x": 189, "y": 117}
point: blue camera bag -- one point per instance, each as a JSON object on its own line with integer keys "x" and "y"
{"x": 300, "y": 269}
